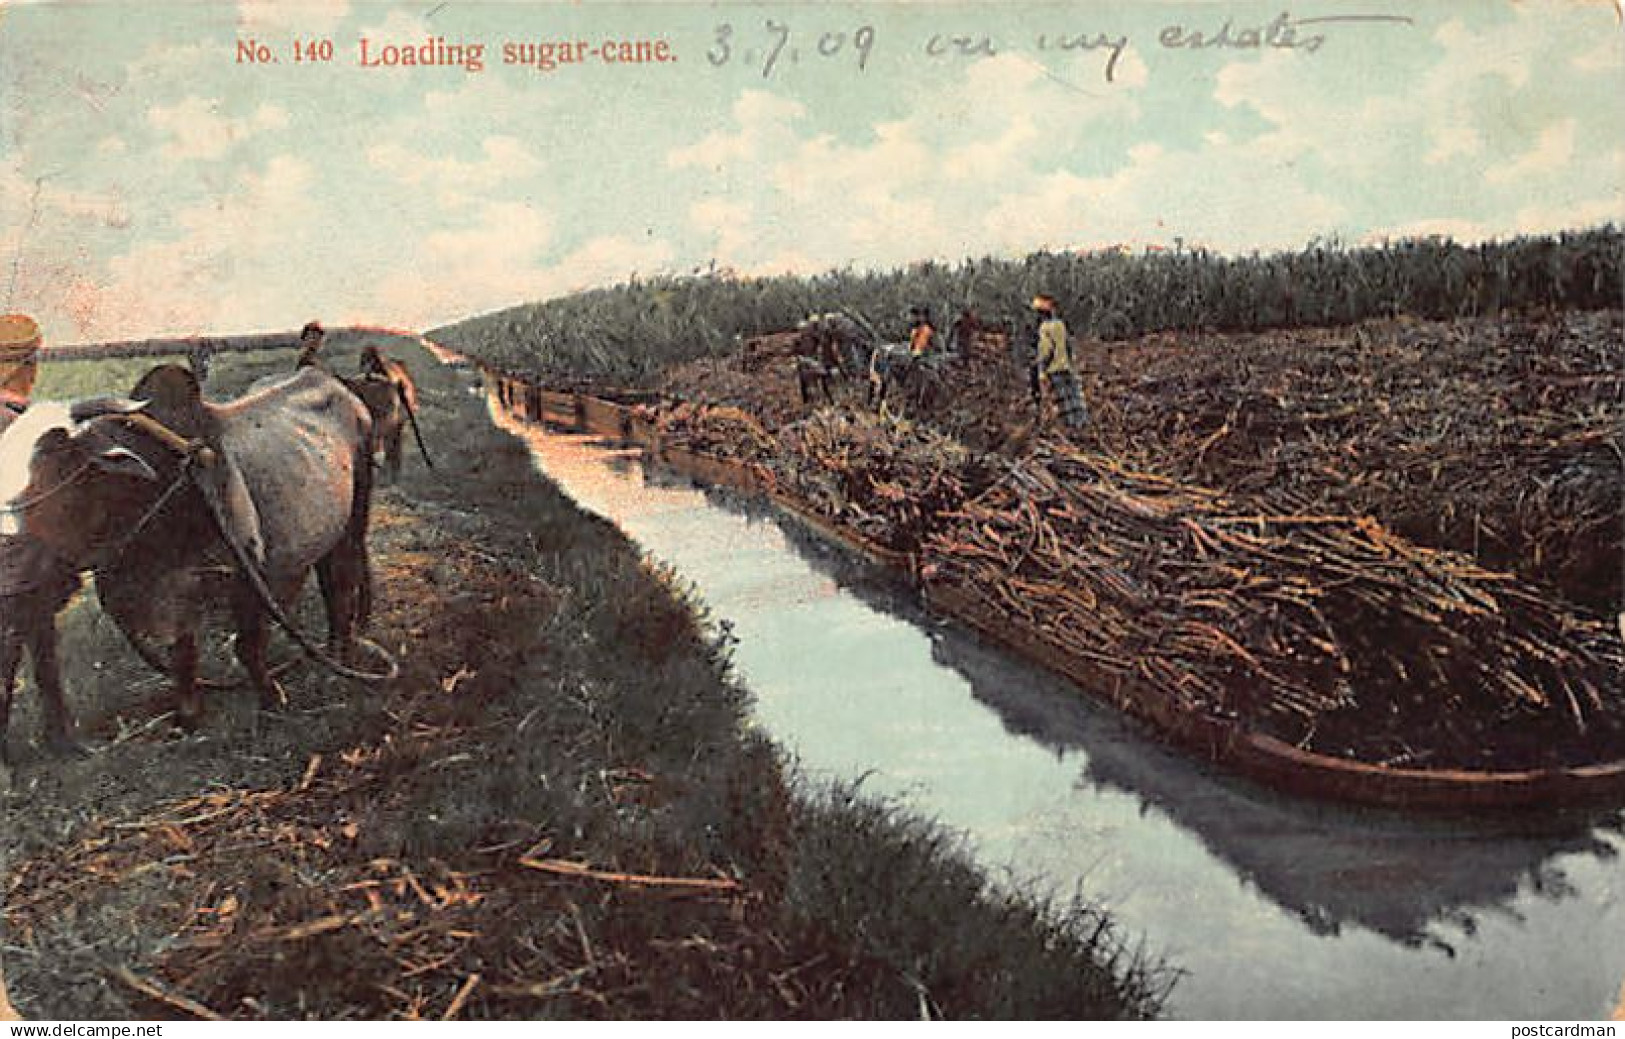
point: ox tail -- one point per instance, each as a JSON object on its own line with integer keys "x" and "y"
{"x": 356, "y": 534}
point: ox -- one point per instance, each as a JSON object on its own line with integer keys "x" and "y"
{"x": 828, "y": 346}
{"x": 179, "y": 505}
{"x": 391, "y": 397}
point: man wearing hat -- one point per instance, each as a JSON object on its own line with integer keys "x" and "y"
{"x": 1054, "y": 363}
{"x": 19, "y": 360}
{"x": 921, "y": 334}
{"x": 310, "y": 344}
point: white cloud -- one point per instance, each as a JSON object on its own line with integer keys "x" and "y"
{"x": 195, "y": 128}
{"x": 454, "y": 181}
{"x": 988, "y": 166}
{"x": 915, "y": 186}
{"x": 993, "y": 158}
{"x": 608, "y": 259}
{"x": 496, "y": 97}
{"x": 764, "y": 124}
{"x": 302, "y": 17}
{"x": 1551, "y": 153}
{"x": 1603, "y": 57}
{"x": 1502, "y": 108}
{"x": 1593, "y": 212}
{"x": 397, "y": 27}
{"x": 1132, "y": 70}
{"x": 1454, "y": 142}
{"x": 232, "y": 266}
{"x": 894, "y": 161}
{"x": 1495, "y": 52}
{"x": 1218, "y": 195}
{"x": 727, "y": 222}
{"x": 503, "y": 258}
{"x": 492, "y": 261}
{"x": 1442, "y": 227}
{"x": 506, "y": 232}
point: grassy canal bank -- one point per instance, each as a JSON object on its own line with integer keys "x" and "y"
{"x": 558, "y": 810}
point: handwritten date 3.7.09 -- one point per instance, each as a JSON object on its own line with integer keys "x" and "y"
{"x": 778, "y": 47}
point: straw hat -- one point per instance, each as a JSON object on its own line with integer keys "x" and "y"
{"x": 19, "y": 337}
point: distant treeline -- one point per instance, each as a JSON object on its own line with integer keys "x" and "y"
{"x": 172, "y": 345}
{"x": 184, "y": 345}
{"x": 628, "y": 333}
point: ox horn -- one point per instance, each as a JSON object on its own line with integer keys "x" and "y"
{"x": 95, "y": 407}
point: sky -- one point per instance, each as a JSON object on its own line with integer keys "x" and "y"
{"x": 175, "y": 168}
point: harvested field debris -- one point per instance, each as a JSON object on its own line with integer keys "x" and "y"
{"x": 1328, "y": 632}
{"x": 889, "y": 483}
{"x": 716, "y": 430}
{"x": 1505, "y": 439}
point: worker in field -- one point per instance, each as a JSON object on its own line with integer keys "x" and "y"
{"x": 311, "y": 338}
{"x": 963, "y": 332}
{"x": 926, "y": 359}
{"x": 921, "y": 334}
{"x": 817, "y": 358}
{"x": 1053, "y": 362}
{"x": 19, "y": 360}
{"x": 199, "y": 357}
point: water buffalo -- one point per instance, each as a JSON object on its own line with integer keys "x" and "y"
{"x": 828, "y": 346}
{"x": 391, "y": 397}
{"x": 193, "y": 497}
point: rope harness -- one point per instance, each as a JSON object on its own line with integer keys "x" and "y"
{"x": 108, "y": 556}
{"x": 412, "y": 417}
{"x": 17, "y": 505}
